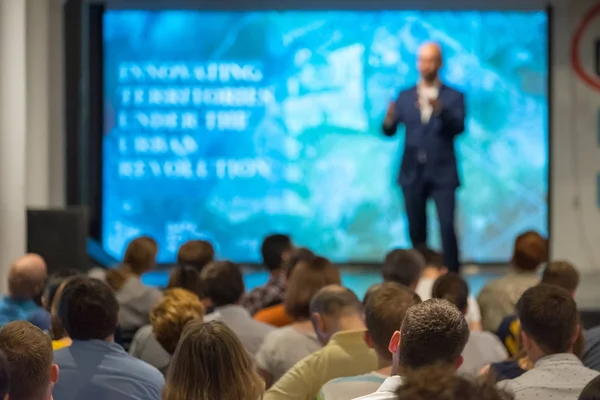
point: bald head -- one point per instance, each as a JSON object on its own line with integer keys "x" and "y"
{"x": 27, "y": 277}
{"x": 430, "y": 61}
{"x": 335, "y": 301}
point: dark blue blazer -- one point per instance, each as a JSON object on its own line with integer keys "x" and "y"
{"x": 429, "y": 155}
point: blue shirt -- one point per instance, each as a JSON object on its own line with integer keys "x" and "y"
{"x": 22, "y": 310}
{"x": 98, "y": 370}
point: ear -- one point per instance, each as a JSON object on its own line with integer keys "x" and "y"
{"x": 317, "y": 321}
{"x": 395, "y": 341}
{"x": 54, "y": 373}
{"x": 576, "y": 333}
{"x": 525, "y": 341}
{"x": 443, "y": 271}
{"x": 459, "y": 361}
{"x": 368, "y": 339}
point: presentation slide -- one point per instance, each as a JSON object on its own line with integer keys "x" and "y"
{"x": 229, "y": 126}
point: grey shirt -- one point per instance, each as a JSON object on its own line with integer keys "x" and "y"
{"x": 135, "y": 302}
{"x": 146, "y": 348}
{"x": 557, "y": 377}
{"x": 483, "y": 348}
{"x": 250, "y": 332}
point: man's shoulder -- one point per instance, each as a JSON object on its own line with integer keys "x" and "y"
{"x": 357, "y": 385}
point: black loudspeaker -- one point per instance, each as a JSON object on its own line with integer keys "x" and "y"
{"x": 60, "y": 237}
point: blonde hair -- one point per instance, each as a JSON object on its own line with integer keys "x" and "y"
{"x": 171, "y": 314}
{"x": 211, "y": 363}
{"x": 139, "y": 257}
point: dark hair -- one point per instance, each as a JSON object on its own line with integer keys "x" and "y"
{"x": 372, "y": 289}
{"x": 224, "y": 283}
{"x": 531, "y": 250}
{"x": 403, "y": 267}
{"x": 29, "y": 354}
{"x": 453, "y": 288}
{"x": 562, "y": 274}
{"x": 335, "y": 301}
{"x": 296, "y": 256}
{"x": 272, "y": 249}
{"x": 432, "y": 258}
{"x": 549, "y": 316}
{"x": 187, "y": 277}
{"x": 4, "y": 375}
{"x": 439, "y": 382}
{"x": 196, "y": 253}
{"x": 88, "y": 309}
{"x": 54, "y": 282}
{"x": 591, "y": 391}
{"x": 434, "y": 331}
{"x": 384, "y": 313}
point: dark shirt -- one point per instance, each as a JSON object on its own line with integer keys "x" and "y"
{"x": 270, "y": 294}
{"x": 591, "y": 354}
{"x": 506, "y": 370}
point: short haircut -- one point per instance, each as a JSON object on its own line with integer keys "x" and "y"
{"x": 4, "y": 375}
{"x": 29, "y": 354}
{"x": 187, "y": 277}
{"x": 591, "y": 391}
{"x": 442, "y": 383}
{"x": 432, "y": 258}
{"x": 224, "y": 283}
{"x": 171, "y": 314}
{"x": 296, "y": 256}
{"x": 530, "y": 251}
{"x": 272, "y": 249}
{"x": 549, "y": 316}
{"x": 434, "y": 331}
{"x": 306, "y": 280}
{"x": 196, "y": 253}
{"x": 88, "y": 309}
{"x": 372, "y": 289}
{"x": 562, "y": 274}
{"x": 140, "y": 255}
{"x": 403, "y": 266}
{"x": 335, "y": 301}
{"x": 453, "y": 288}
{"x": 384, "y": 312}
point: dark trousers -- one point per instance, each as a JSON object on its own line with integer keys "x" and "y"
{"x": 415, "y": 199}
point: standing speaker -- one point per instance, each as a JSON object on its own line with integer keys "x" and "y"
{"x": 60, "y": 237}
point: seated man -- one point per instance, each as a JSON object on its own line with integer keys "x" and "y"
{"x": 550, "y": 327}
{"x": 26, "y": 280}
{"x": 224, "y": 286}
{"x": 433, "y": 332}
{"x": 4, "y": 376}
{"x": 404, "y": 267}
{"x": 337, "y": 316}
{"x": 29, "y": 354}
{"x": 385, "y": 308}
{"x": 482, "y": 348}
{"x": 195, "y": 253}
{"x": 498, "y": 298}
{"x": 94, "y": 367}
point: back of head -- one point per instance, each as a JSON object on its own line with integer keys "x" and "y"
{"x": 306, "y": 280}
{"x": 432, "y": 258}
{"x": 442, "y": 383}
{"x": 549, "y": 316}
{"x": 196, "y": 253}
{"x": 88, "y": 309}
{"x": 4, "y": 376}
{"x": 432, "y": 332}
{"x": 29, "y": 354}
{"x": 171, "y": 314}
{"x": 52, "y": 299}
{"x": 27, "y": 277}
{"x": 385, "y": 309}
{"x": 211, "y": 363}
{"x": 335, "y": 301}
{"x": 453, "y": 288}
{"x": 562, "y": 274}
{"x": 187, "y": 277}
{"x": 140, "y": 255}
{"x": 403, "y": 267}
{"x": 591, "y": 391}
{"x": 274, "y": 249}
{"x": 224, "y": 283}
{"x": 531, "y": 250}
{"x": 296, "y": 256}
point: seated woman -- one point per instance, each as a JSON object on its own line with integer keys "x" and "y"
{"x": 211, "y": 363}
{"x": 50, "y": 300}
{"x": 284, "y": 347}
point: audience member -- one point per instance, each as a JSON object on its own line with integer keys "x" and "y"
{"x": 225, "y": 288}
{"x": 432, "y": 332}
{"x": 384, "y": 312}
{"x": 441, "y": 383}
{"x": 210, "y": 363}
{"x": 284, "y": 347}
{"x": 276, "y": 315}
{"x": 4, "y": 377}
{"x": 482, "y": 348}
{"x": 155, "y": 343}
{"x": 28, "y": 351}
{"x": 550, "y": 326}
{"x": 135, "y": 299}
{"x": 591, "y": 391}
{"x": 275, "y": 251}
{"x": 195, "y": 253}
{"x": 337, "y": 316}
{"x": 60, "y": 338}
{"x": 94, "y": 367}
{"x": 403, "y": 267}
{"x": 26, "y": 279}
{"x": 189, "y": 278}
{"x": 498, "y": 298}
{"x": 434, "y": 268}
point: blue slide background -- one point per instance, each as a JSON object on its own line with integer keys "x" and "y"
{"x": 232, "y": 125}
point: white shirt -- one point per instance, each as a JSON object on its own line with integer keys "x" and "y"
{"x": 482, "y": 348}
{"x": 424, "y": 288}
{"x": 426, "y": 94}
{"x": 387, "y": 391}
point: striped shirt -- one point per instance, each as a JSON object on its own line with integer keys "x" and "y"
{"x": 351, "y": 387}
